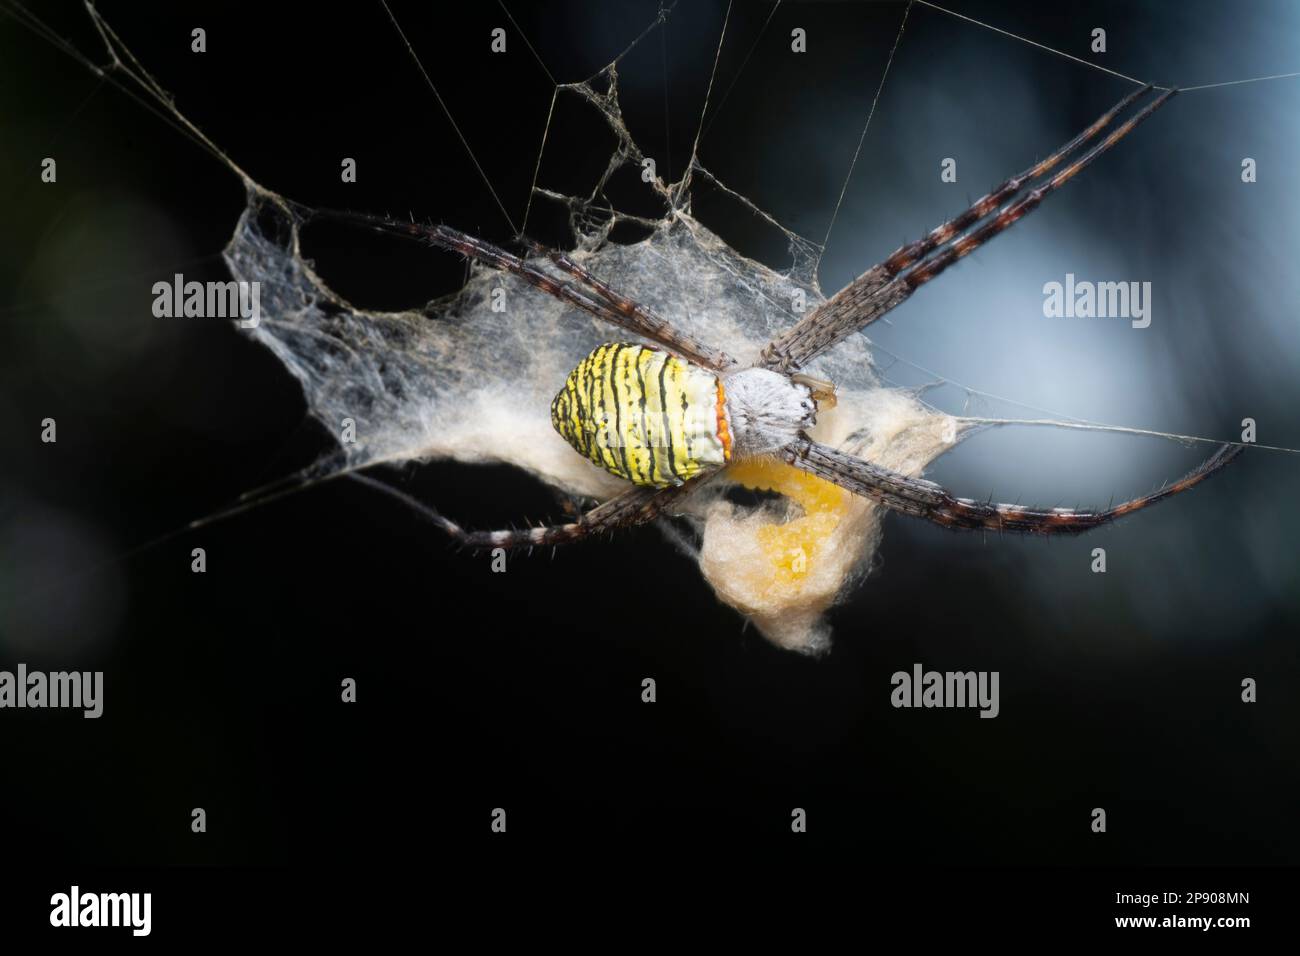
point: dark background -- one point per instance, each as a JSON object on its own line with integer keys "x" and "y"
{"x": 522, "y": 690}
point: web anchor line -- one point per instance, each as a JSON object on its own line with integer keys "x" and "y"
{"x": 1097, "y": 66}
{"x": 1055, "y": 419}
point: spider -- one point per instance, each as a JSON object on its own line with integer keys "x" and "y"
{"x": 665, "y": 418}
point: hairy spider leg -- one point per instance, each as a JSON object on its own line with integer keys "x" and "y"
{"x": 911, "y": 253}
{"x": 1012, "y": 212}
{"x": 925, "y": 499}
{"x": 881, "y": 289}
{"x": 632, "y": 507}
{"x": 637, "y": 320}
{"x": 718, "y": 360}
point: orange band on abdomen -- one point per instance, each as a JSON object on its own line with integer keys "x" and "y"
{"x": 724, "y": 433}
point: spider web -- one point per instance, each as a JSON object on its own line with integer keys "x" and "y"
{"x": 413, "y": 383}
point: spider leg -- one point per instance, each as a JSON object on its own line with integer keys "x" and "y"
{"x": 719, "y": 361}
{"x": 888, "y": 284}
{"x": 626, "y": 315}
{"x": 925, "y": 499}
{"x": 913, "y": 252}
{"x": 635, "y": 506}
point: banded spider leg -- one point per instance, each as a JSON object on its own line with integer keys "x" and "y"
{"x": 891, "y": 282}
{"x": 925, "y": 499}
{"x": 596, "y": 298}
{"x": 635, "y": 506}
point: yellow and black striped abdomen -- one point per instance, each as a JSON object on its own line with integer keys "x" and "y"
{"x": 644, "y": 415}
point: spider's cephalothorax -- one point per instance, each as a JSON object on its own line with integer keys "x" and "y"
{"x": 657, "y": 420}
